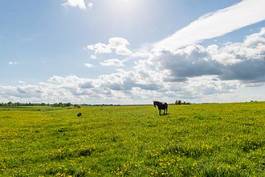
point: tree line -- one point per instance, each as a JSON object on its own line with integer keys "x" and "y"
{"x": 17, "y": 104}
{"x": 180, "y": 102}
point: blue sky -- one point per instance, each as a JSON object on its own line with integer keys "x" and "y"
{"x": 45, "y": 45}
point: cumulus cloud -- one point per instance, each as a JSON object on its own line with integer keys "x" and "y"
{"x": 243, "y": 61}
{"x": 193, "y": 72}
{"x": 123, "y": 87}
{"x": 116, "y": 45}
{"x": 75, "y": 89}
{"x": 187, "y": 62}
{"x": 126, "y": 80}
{"x": 252, "y": 48}
{"x": 81, "y": 4}
{"x": 215, "y": 24}
{"x": 55, "y": 89}
{"x": 176, "y": 68}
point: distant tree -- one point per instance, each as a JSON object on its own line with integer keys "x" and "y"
{"x": 9, "y": 103}
{"x": 67, "y": 104}
{"x": 178, "y": 102}
{"x": 77, "y": 106}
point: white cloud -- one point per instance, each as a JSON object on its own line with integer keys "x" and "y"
{"x": 93, "y": 57}
{"x": 100, "y": 48}
{"x": 106, "y": 89}
{"x": 123, "y": 87}
{"x": 185, "y": 70}
{"x": 252, "y": 48}
{"x": 216, "y": 24}
{"x": 192, "y": 73}
{"x": 90, "y": 5}
{"x": 12, "y": 62}
{"x": 82, "y": 4}
{"x": 89, "y": 65}
{"x": 243, "y": 61}
{"x": 112, "y": 62}
{"x": 117, "y": 45}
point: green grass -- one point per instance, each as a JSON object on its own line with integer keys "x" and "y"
{"x": 194, "y": 140}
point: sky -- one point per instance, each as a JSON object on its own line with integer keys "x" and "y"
{"x": 132, "y": 51}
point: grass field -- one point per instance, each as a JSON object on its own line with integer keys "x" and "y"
{"x": 194, "y": 140}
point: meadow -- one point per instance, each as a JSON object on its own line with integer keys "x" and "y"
{"x": 193, "y": 140}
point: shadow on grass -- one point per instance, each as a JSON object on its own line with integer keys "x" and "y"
{"x": 162, "y": 115}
